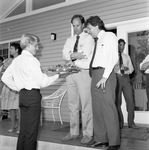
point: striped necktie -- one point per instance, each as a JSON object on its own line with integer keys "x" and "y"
{"x": 90, "y": 67}
{"x": 121, "y": 63}
{"x": 76, "y": 44}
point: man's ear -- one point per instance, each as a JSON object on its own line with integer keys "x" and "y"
{"x": 17, "y": 50}
{"x": 83, "y": 25}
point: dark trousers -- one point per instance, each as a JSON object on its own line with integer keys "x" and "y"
{"x": 30, "y": 107}
{"x": 105, "y": 116}
{"x": 124, "y": 85}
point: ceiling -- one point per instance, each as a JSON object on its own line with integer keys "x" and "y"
{"x": 6, "y": 4}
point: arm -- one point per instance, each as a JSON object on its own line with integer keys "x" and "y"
{"x": 87, "y": 50}
{"x": 40, "y": 77}
{"x": 145, "y": 66}
{"x": 67, "y": 50}
{"x": 111, "y": 50}
{"x": 145, "y": 63}
{"x": 129, "y": 68}
{"x": 7, "y": 78}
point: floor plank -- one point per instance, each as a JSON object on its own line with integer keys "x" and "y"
{"x": 47, "y": 134}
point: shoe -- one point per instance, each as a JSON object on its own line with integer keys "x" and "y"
{"x": 93, "y": 143}
{"x": 11, "y": 130}
{"x": 90, "y": 142}
{"x": 97, "y": 144}
{"x": 18, "y": 131}
{"x": 113, "y": 148}
{"x": 86, "y": 139}
{"x": 133, "y": 126}
{"x": 70, "y": 137}
{"x": 4, "y": 117}
{"x": 121, "y": 126}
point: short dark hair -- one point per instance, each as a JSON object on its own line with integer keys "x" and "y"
{"x": 16, "y": 46}
{"x": 1, "y": 58}
{"x": 95, "y": 21}
{"x": 121, "y": 40}
{"x": 78, "y": 16}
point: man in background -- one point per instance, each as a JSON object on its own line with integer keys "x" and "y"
{"x": 122, "y": 69}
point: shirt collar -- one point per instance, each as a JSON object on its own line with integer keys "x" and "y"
{"x": 80, "y": 34}
{"x": 26, "y": 52}
{"x": 100, "y": 34}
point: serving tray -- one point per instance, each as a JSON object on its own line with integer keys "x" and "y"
{"x": 64, "y": 68}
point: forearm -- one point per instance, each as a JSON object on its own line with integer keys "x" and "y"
{"x": 145, "y": 66}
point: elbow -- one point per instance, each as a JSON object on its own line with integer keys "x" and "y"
{"x": 2, "y": 78}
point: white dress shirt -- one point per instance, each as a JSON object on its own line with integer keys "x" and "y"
{"x": 106, "y": 53}
{"x": 85, "y": 45}
{"x": 25, "y": 72}
{"x": 126, "y": 62}
{"x": 144, "y": 61}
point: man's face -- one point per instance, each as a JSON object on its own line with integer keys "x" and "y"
{"x": 13, "y": 51}
{"x": 93, "y": 31}
{"x": 121, "y": 47}
{"x": 1, "y": 62}
{"x": 77, "y": 26}
{"x": 33, "y": 48}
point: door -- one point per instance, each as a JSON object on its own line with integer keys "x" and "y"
{"x": 135, "y": 33}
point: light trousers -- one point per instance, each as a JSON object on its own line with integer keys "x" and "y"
{"x": 79, "y": 98}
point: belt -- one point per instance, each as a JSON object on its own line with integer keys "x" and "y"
{"x": 33, "y": 89}
{"x": 95, "y": 68}
{"x": 122, "y": 74}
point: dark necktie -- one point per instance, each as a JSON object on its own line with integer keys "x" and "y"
{"x": 90, "y": 67}
{"x": 121, "y": 63}
{"x": 76, "y": 44}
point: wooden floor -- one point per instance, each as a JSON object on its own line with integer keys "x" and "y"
{"x": 47, "y": 134}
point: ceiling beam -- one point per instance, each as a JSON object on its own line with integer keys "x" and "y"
{"x": 11, "y": 8}
{"x": 29, "y": 5}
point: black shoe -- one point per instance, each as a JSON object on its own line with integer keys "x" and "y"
{"x": 133, "y": 126}
{"x": 113, "y": 147}
{"x": 4, "y": 117}
{"x": 96, "y": 144}
{"x": 121, "y": 126}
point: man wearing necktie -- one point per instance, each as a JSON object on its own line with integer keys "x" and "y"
{"x": 76, "y": 51}
{"x": 122, "y": 69}
{"x": 104, "y": 58}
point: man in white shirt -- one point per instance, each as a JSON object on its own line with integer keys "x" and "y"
{"x": 77, "y": 49}
{"x": 25, "y": 76}
{"x": 104, "y": 58}
{"x": 124, "y": 85}
{"x": 144, "y": 65}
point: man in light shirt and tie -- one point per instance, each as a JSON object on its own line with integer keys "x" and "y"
{"x": 25, "y": 76}
{"x": 105, "y": 117}
{"x": 144, "y": 65}
{"x": 76, "y": 50}
{"x": 124, "y": 85}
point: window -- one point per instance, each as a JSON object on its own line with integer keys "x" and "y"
{"x": 4, "y": 49}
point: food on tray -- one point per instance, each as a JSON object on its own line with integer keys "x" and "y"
{"x": 64, "y": 68}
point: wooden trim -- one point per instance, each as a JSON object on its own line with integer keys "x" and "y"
{"x": 64, "y": 4}
{"x": 11, "y": 8}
